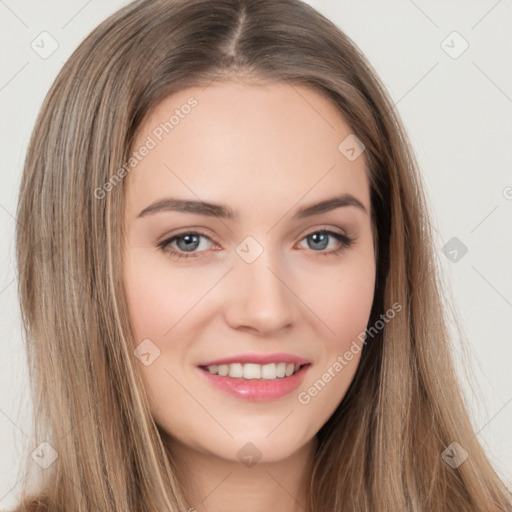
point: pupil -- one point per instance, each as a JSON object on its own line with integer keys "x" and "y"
{"x": 315, "y": 238}
{"x": 190, "y": 240}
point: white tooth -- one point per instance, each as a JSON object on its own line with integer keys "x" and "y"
{"x": 281, "y": 369}
{"x": 268, "y": 371}
{"x": 223, "y": 370}
{"x": 236, "y": 370}
{"x": 252, "y": 371}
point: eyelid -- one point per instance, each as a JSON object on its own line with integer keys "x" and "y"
{"x": 188, "y": 231}
{"x": 325, "y": 227}
{"x": 202, "y": 231}
{"x": 345, "y": 238}
{"x": 167, "y": 240}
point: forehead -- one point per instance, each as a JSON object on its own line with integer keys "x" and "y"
{"x": 247, "y": 146}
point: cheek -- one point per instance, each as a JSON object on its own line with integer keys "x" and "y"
{"x": 335, "y": 303}
{"x": 338, "y": 298}
{"x": 343, "y": 304}
{"x": 342, "y": 300}
{"x": 157, "y": 298}
{"x": 349, "y": 307}
{"x": 345, "y": 317}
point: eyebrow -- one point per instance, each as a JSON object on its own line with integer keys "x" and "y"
{"x": 225, "y": 212}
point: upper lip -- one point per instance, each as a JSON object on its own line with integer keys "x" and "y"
{"x": 258, "y": 359}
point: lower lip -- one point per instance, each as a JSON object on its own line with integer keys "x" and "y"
{"x": 257, "y": 389}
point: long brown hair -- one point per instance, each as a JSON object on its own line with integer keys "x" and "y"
{"x": 382, "y": 448}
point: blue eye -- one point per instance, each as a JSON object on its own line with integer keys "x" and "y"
{"x": 191, "y": 241}
{"x": 320, "y": 239}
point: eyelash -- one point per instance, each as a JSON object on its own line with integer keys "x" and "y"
{"x": 344, "y": 239}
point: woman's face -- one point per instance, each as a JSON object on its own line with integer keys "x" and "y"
{"x": 262, "y": 283}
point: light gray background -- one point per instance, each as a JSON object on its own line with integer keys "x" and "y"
{"x": 458, "y": 114}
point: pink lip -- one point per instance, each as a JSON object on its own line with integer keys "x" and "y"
{"x": 257, "y": 389}
{"x": 278, "y": 357}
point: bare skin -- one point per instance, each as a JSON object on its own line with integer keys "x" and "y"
{"x": 265, "y": 152}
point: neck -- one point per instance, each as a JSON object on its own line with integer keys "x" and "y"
{"x": 215, "y": 484}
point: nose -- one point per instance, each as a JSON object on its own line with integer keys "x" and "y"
{"x": 260, "y": 299}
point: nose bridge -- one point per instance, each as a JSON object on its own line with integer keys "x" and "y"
{"x": 260, "y": 298}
